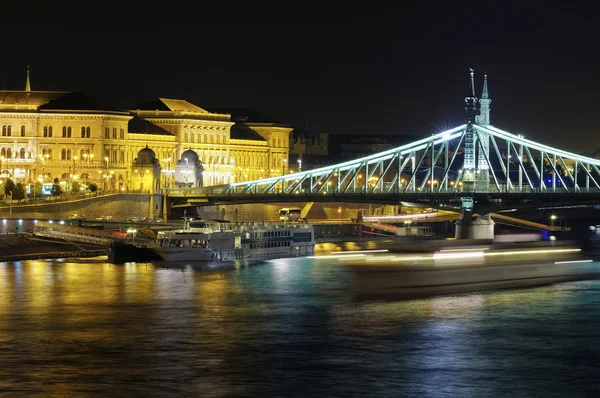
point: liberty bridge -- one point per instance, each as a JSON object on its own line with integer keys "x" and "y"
{"x": 475, "y": 163}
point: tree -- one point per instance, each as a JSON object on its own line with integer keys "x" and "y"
{"x": 9, "y": 186}
{"x": 35, "y": 191}
{"x": 93, "y": 187}
{"x": 37, "y": 188}
{"x": 19, "y": 191}
{"x": 75, "y": 187}
{"x": 56, "y": 189}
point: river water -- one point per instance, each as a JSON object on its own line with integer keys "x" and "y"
{"x": 286, "y": 328}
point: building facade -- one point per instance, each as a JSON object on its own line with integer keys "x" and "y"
{"x": 72, "y": 136}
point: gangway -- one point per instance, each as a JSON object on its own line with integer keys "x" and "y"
{"x": 76, "y": 233}
{"x": 518, "y": 222}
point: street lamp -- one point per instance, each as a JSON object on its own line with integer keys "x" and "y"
{"x": 74, "y": 166}
{"x": 552, "y": 218}
{"x": 132, "y": 231}
{"x": 106, "y": 186}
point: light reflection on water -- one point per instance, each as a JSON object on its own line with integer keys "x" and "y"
{"x": 283, "y": 328}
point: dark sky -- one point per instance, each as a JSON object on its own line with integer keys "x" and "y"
{"x": 378, "y": 68}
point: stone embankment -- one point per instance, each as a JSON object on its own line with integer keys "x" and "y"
{"x": 16, "y": 247}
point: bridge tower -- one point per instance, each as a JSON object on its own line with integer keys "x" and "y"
{"x": 469, "y": 166}
{"x": 483, "y": 119}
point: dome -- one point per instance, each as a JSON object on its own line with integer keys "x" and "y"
{"x": 146, "y": 156}
{"x": 189, "y": 158}
{"x": 190, "y": 155}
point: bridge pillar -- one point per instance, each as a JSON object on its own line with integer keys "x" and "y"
{"x": 480, "y": 228}
{"x": 467, "y": 228}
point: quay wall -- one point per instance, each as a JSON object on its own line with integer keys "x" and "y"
{"x": 121, "y": 206}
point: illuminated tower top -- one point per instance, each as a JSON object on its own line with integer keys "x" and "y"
{"x": 471, "y": 100}
{"x": 484, "y": 110}
{"x": 27, "y": 82}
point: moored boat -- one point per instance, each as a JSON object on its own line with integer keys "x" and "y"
{"x": 222, "y": 242}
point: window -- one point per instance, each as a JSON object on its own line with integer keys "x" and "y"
{"x": 69, "y": 131}
{"x": 3, "y": 152}
{"x": 9, "y": 130}
{"x": 8, "y": 153}
{"x": 83, "y": 132}
{"x": 63, "y": 154}
{"x": 22, "y": 153}
{"x": 45, "y": 131}
{"x": 64, "y": 134}
{"x": 68, "y": 154}
{"x": 122, "y": 134}
{"x": 106, "y": 132}
{"x": 22, "y": 131}
{"x": 50, "y": 151}
{"x": 88, "y": 132}
{"x": 114, "y": 132}
{"x": 50, "y": 132}
{"x": 3, "y": 130}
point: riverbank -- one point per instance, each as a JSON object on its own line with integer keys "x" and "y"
{"x": 26, "y": 246}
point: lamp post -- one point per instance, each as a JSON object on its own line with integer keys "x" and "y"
{"x": 132, "y": 232}
{"x": 552, "y": 218}
{"x": 284, "y": 163}
{"x": 299, "y": 165}
{"x": 74, "y": 166}
{"x": 106, "y": 176}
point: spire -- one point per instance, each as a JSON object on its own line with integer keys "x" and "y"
{"x": 471, "y": 100}
{"x": 472, "y": 88}
{"x": 484, "y": 94}
{"x": 484, "y": 109}
{"x": 27, "y": 82}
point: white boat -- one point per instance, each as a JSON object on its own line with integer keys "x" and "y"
{"x": 221, "y": 242}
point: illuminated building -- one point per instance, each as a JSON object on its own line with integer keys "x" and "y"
{"x": 72, "y": 136}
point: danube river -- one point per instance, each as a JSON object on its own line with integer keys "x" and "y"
{"x": 286, "y": 328}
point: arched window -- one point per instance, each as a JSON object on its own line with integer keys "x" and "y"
{"x": 68, "y": 154}
{"x": 4, "y": 131}
{"x": 69, "y": 131}
{"x": 22, "y": 131}
{"x": 49, "y": 131}
{"x": 3, "y": 152}
{"x": 22, "y": 153}
{"x": 83, "y": 132}
{"x": 122, "y": 134}
{"x": 64, "y": 131}
{"x": 63, "y": 154}
{"x": 44, "y": 152}
{"x": 8, "y": 153}
{"x": 87, "y": 132}
{"x": 49, "y": 154}
{"x": 9, "y": 130}
{"x": 106, "y": 132}
{"x": 45, "y": 131}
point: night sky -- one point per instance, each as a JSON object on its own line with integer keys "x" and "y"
{"x": 394, "y": 68}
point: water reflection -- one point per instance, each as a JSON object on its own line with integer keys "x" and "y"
{"x": 283, "y": 328}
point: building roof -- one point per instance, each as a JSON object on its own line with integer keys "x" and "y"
{"x": 245, "y": 115}
{"x": 10, "y": 99}
{"x": 240, "y": 131}
{"x": 78, "y": 102}
{"x": 137, "y": 125}
{"x": 173, "y": 105}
